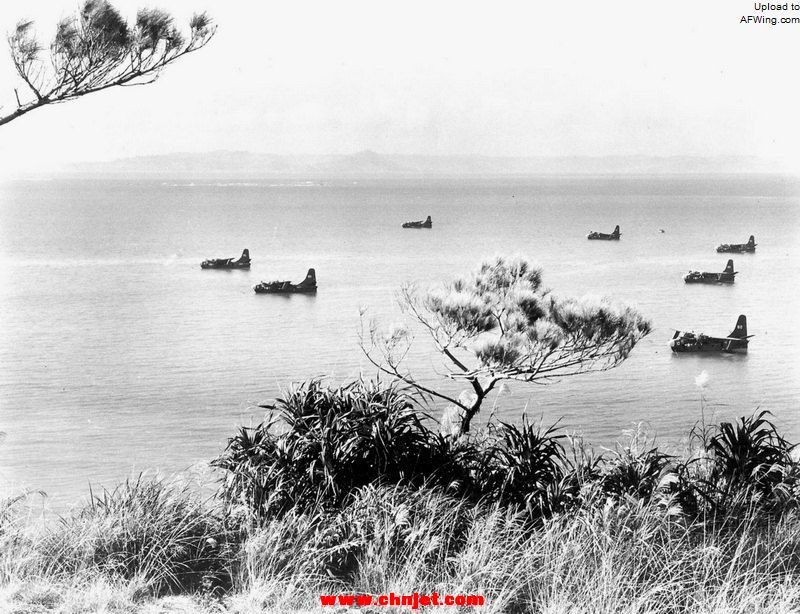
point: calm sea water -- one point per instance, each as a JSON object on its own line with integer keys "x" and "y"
{"x": 118, "y": 353}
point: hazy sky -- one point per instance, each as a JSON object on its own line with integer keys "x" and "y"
{"x": 496, "y": 78}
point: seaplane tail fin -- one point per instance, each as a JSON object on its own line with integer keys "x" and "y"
{"x": 740, "y": 331}
{"x": 310, "y": 281}
{"x": 729, "y": 266}
{"x": 245, "y": 254}
{"x": 616, "y": 230}
{"x": 752, "y": 240}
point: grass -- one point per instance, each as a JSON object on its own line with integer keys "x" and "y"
{"x": 348, "y": 490}
{"x": 616, "y": 556}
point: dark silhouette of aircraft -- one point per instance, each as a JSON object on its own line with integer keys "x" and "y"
{"x": 736, "y": 342}
{"x": 726, "y": 277}
{"x": 426, "y": 224}
{"x": 739, "y": 248}
{"x": 307, "y": 286}
{"x": 228, "y": 263}
{"x": 601, "y": 236}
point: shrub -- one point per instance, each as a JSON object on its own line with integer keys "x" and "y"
{"x": 334, "y": 441}
{"x": 521, "y": 465}
{"x": 321, "y": 444}
{"x": 325, "y": 443}
{"x": 145, "y": 529}
{"x": 630, "y": 471}
{"x": 742, "y": 465}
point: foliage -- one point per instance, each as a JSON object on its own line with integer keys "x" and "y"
{"x": 326, "y": 443}
{"x": 148, "y": 529}
{"x": 377, "y": 528}
{"x": 517, "y": 513}
{"x": 335, "y": 440}
{"x": 97, "y": 49}
{"x": 502, "y": 324}
{"x": 635, "y": 471}
{"x": 742, "y": 464}
{"x": 329, "y": 442}
{"x": 521, "y": 466}
{"x": 618, "y": 556}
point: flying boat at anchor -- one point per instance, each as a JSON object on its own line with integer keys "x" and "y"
{"x": 426, "y": 223}
{"x": 243, "y": 262}
{"x": 739, "y": 248}
{"x": 307, "y": 286}
{"x": 735, "y": 343}
{"x": 602, "y": 236}
{"x": 726, "y": 277}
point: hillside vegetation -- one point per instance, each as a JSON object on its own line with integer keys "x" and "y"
{"x": 351, "y": 490}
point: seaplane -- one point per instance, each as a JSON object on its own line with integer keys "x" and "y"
{"x": 726, "y": 277}
{"x": 307, "y": 286}
{"x": 420, "y": 224}
{"x": 601, "y": 236}
{"x": 739, "y": 248}
{"x": 228, "y": 263}
{"x": 735, "y": 343}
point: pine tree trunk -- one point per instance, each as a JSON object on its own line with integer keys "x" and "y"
{"x": 469, "y": 414}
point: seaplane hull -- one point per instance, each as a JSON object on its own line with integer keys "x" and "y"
{"x": 427, "y": 223}
{"x": 243, "y": 262}
{"x": 602, "y": 236}
{"x": 728, "y": 276}
{"x": 691, "y": 342}
{"x": 702, "y": 343}
{"x": 307, "y": 286}
{"x": 738, "y": 248}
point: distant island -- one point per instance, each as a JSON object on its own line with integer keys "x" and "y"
{"x": 370, "y": 163}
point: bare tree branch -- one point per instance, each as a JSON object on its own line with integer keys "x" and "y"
{"x": 389, "y": 361}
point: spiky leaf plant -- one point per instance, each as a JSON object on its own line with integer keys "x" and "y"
{"x": 322, "y": 443}
{"x": 741, "y": 465}
{"x": 522, "y": 465}
{"x": 751, "y": 461}
{"x": 629, "y": 471}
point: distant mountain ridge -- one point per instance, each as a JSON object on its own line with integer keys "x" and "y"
{"x": 370, "y": 163}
